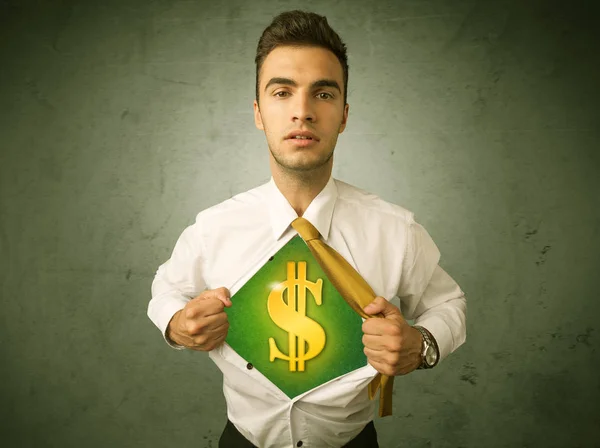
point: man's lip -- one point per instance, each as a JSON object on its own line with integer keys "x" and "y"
{"x": 303, "y": 133}
{"x": 302, "y": 142}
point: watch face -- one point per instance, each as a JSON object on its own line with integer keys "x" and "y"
{"x": 430, "y": 355}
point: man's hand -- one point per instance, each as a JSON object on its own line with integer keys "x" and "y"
{"x": 392, "y": 346}
{"x": 202, "y": 325}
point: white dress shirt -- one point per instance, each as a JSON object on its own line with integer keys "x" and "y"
{"x": 227, "y": 245}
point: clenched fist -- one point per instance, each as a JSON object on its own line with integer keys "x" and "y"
{"x": 202, "y": 325}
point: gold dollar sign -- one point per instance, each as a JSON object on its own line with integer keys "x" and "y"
{"x": 291, "y": 317}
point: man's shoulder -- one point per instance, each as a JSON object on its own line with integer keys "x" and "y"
{"x": 353, "y": 196}
{"x": 239, "y": 205}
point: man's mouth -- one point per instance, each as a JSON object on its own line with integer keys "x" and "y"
{"x": 301, "y": 142}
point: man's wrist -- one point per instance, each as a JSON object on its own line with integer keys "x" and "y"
{"x": 437, "y": 348}
{"x": 169, "y": 333}
{"x": 428, "y": 359}
{"x": 170, "y": 338}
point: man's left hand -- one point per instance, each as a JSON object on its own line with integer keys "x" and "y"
{"x": 392, "y": 345}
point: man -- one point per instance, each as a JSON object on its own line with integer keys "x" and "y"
{"x": 301, "y": 90}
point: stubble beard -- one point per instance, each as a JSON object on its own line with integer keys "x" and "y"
{"x": 291, "y": 166}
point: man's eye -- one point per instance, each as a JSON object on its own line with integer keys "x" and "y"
{"x": 328, "y": 95}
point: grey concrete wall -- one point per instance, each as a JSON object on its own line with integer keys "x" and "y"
{"x": 120, "y": 120}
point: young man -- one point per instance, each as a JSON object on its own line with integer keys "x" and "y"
{"x": 301, "y": 90}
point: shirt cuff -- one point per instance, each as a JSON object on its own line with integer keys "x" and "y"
{"x": 166, "y": 314}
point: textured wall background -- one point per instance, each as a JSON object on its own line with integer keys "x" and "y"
{"x": 120, "y": 120}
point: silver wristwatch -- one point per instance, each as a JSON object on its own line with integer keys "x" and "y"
{"x": 430, "y": 354}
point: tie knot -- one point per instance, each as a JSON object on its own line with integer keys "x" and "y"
{"x": 305, "y": 229}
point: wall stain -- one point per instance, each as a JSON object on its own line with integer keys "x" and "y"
{"x": 557, "y": 334}
{"x": 501, "y": 355}
{"x": 469, "y": 375}
{"x": 39, "y": 96}
{"x": 583, "y": 338}
{"x": 542, "y": 258}
{"x": 530, "y": 234}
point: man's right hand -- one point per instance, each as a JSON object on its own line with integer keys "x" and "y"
{"x": 202, "y": 325}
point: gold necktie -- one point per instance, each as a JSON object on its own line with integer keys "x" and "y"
{"x": 355, "y": 291}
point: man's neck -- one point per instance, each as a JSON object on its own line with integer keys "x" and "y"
{"x": 300, "y": 190}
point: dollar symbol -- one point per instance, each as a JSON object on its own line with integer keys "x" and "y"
{"x": 291, "y": 317}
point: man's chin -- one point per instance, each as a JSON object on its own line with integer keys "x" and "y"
{"x": 302, "y": 166}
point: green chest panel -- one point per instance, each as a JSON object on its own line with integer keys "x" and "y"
{"x": 292, "y": 324}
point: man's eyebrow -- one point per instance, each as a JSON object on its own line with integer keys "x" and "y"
{"x": 319, "y": 83}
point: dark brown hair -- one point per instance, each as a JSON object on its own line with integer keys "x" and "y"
{"x": 301, "y": 28}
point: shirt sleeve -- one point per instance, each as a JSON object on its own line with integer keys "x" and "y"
{"x": 177, "y": 281}
{"x": 429, "y": 295}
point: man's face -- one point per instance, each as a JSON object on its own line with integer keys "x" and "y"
{"x": 285, "y": 108}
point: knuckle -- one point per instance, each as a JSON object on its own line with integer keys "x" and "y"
{"x": 207, "y": 293}
{"x": 386, "y": 368}
{"x": 200, "y": 340}
{"x": 395, "y": 346}
{"x": 202, "y": 295}
{"x": 191, "y": 327}
{"x": 395, "y": 331}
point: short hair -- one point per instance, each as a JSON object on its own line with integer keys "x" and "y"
{"x": 301, "y": 28}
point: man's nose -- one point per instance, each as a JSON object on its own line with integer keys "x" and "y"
{"x": 303, "y": 108}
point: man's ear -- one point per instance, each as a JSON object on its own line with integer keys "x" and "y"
{"x": 344, "y": 118}
{"x": 257, "y": 117}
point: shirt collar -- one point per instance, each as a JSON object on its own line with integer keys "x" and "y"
{"x": 319, "y": 212}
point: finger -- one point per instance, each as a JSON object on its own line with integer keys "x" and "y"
{"x": 375, "y": 355}
{"x": 207, "y": 344}
{"x": 199, "y": 326}
{"x": 381, "y": 367}
{"x": 203, "y": 307}
{"x": 387, "y": 364}
{"x": 213, "y": 307}
{"x": 218, "y": 326}
{"x": 381, "y": 327}
{"x": 375, "y": 327}
{"x": 378, "y": 305}
{"x": 222, "y": 294}
{"x": 212, "y": 322}
{"x": 375, "y": 342}
{"x": 216, "y": 343}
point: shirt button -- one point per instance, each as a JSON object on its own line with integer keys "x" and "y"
{"x": 299, "y": 443}
{"x": 249, "y": 366}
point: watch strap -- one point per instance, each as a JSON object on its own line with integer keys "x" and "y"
{"x": 428, "y": 340}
